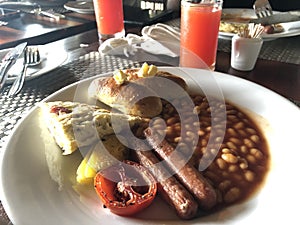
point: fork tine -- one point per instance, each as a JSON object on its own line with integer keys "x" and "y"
{"x": 31, "y": 58}
{"x": 262, "y": 8}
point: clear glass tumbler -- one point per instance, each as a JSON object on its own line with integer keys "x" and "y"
{"x": 200, "y": 21}
{"x": 110, "y": 18}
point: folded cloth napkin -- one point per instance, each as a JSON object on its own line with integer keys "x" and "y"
{"x": 162, "y": 32}
{"x": 159, "y": 39}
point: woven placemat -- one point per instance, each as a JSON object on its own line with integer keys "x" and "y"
{"x": 91, "y": 64}
{"x": 285, "y": 49}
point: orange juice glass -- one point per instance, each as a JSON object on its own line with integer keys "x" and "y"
{"x": 109, "y": 18}
{"x": 200, "y": 22}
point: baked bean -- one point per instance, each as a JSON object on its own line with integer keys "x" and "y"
{"x": 232, "y": 195}
{"x": 170, "y": 131}
{"x": 254, "y": 138}
{"x": 177, "y": 139}
{"x": 201, "y": 133}
{"x": 218, "y": 139}
{"x": 197, "y": 110}
{"x": 229, "y": 158}
{"x": 196, "y": 124}
{"x": 231, "y": 111}
{"x": 243, "y": 133}
{"x": 233, "y": 168}
{"x": 244, "y": 149}
{"x": 231, "y": 145}
{"x": 256, "y": 153}
{"x": 203, "y": 142}
{"x": 221, "y": 163}
{"x": 248, "y": 143}
{"x": 235, "y": 140}
{"x": 239, "y": 125}
{"x": 251, "y": 159}
{"x": 232, "y": 132}
{"x": 172, "y": 120}
{"x": 226, "y": 150}
{"x": 214, "y": 151}
{"x": 204, "y": 105}
{"x": 177, "y": 127}
{"x": 224, "y": 185}
{"x": 250, "y": 130}
{"x": 243, "y": 163}
{"x": 249, "y": 176}
{"x": 240, "y": 159}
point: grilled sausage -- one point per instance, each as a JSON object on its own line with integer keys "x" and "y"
{"x": 172, "y": 191}
{"x": 189, "y": 176}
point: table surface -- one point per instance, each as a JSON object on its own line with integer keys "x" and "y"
{"x": 281, "y": 75}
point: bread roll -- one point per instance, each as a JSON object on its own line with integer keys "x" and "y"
{"x": 139, "y": 96}
{"x": 130, "y": 98}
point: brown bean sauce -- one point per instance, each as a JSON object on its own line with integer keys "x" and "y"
{"x": 241, "y": 158}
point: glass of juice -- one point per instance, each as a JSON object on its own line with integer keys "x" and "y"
{"x": 200, "y": 22}
{"x": 110, "y": 18}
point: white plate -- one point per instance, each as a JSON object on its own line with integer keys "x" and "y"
{"x": 30, "y": 196}
{"x": 85, "y": 7}
{"x": 50, "y": 59}
{"x": 290, "y": 29}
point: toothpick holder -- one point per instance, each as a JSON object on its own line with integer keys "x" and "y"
{"x": 244, "y": 52}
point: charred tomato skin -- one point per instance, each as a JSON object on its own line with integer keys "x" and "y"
{"x": 134, "y": 200}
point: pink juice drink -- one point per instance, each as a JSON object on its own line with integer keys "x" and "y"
{"x": 199, "y": 33}
{"x": 109, "y": 18}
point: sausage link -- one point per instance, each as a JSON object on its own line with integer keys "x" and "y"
{"x": 187, "y": 174}
{"x": 172, "y": 191}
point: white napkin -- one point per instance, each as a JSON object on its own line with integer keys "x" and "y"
{"x": 162, "y": 32}
{"x": 159, "y": 39}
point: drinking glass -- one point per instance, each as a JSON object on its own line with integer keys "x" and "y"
{"x": 200, "y": 22}
{"x": 109, "y": 18}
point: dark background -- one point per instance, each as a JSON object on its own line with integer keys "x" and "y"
{"x": 277, "y": 5}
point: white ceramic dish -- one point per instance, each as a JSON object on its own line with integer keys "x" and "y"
{"x": 84, "y": 7}
{"x": 50, "y": 59}
{"x": 30, "y": 196}
{"x": 290, "y": 29}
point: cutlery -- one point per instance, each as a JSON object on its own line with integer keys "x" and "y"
{"x": 9, "y": 60}
{"x": 48, "y": 13}
{"x": 265, "y": 15}
{"x": 262, "y": 8}
{"x": 276, "y": 18}
{"x": 31, "y": 58}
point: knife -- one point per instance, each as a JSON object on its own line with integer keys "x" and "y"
{"x": 276, "y": 18}
{"x": 9, "y": 60}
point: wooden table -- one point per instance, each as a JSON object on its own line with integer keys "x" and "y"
{"x": 283, "y": 78}
{"x": 41, "y": 30}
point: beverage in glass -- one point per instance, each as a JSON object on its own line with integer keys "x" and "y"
{"x": 200, "y": 22}
{"x": 109, "y": 18}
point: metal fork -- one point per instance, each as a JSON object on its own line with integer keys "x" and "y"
{"x": 262, "y": 8}
{"x": 31, "y": 58}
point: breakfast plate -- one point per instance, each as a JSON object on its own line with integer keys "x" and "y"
{"x": 30, "y": 196}
{"x": 50, "y": 59}
{"x": 243, "y": 16}
{"x": 84, "y": 7}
